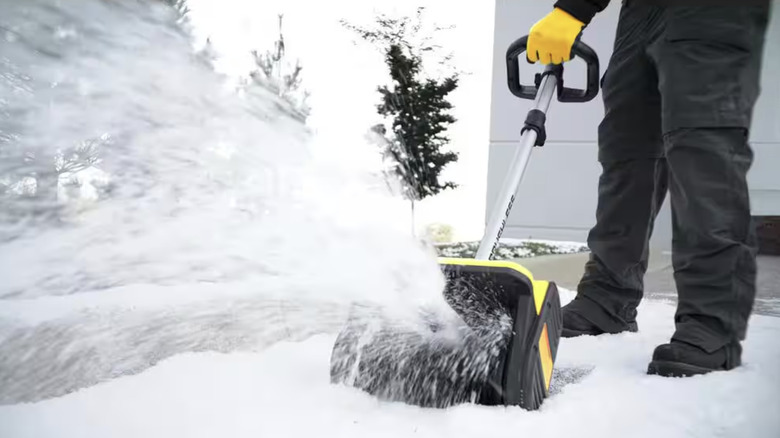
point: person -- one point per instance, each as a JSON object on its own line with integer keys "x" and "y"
{"x": 678, "y": 94}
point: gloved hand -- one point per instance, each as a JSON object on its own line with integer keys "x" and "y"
{"x": 550, "y": 40}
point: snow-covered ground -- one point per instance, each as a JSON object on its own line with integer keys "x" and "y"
{"x": 284, "y": 391}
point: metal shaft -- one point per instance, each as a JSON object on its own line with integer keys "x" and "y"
{"x": 506, "y": 197}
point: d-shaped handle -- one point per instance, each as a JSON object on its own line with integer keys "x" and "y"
{"x": 579, "y": 49}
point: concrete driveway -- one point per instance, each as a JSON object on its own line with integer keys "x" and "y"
{"x": 567, "y": 269}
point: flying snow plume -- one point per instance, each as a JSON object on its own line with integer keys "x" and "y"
{"x": 148, "y": 208}
{"x": 197, "y": 183}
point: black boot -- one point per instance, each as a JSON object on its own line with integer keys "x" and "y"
{"x": 583, "y": 316}
{"x": 680, "y": 359}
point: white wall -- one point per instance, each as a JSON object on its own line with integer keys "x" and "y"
{"x": 557, "y": 199}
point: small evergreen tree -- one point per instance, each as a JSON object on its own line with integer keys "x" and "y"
{"x": 280, "y": 76}
{"x": 416, "y": 107}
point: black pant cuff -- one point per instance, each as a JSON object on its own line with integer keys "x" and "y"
{"x": 699, "y": 335}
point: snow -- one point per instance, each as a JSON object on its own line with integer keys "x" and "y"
{"x": 284, "y": 391}
{"x": 559, "y": 245}
{"x": 510, "y": 248}
{"x": 29, "y": 312}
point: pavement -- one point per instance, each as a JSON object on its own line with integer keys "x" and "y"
{"x": 566, "y": 270}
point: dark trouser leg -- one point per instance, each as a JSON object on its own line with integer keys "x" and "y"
{"x": 708, "y": 61}
{"x": 630, "y": 194}
{"x": 633, "y": 182}
{"x": 713, "y": 246}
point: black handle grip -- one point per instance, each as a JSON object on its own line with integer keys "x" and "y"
{"x": 579, "y": 49}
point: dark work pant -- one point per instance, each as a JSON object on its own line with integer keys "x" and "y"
{"x": 678, "y": 94}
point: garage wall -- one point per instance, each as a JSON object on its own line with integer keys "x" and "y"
{"x": 562, "y": 176}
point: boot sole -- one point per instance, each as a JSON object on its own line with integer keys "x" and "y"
{"x": 676, "y": 369}
{"x": 571, "y": 333}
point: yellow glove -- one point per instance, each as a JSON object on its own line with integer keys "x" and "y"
{"x": 550, "y": 40}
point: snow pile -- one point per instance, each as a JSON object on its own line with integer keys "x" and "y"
{"x": 284, "y": 391}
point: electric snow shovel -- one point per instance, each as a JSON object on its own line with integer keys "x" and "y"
{"x": 499, "y": 343}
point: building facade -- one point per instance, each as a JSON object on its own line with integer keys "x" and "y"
{"x": 557, "y": 199}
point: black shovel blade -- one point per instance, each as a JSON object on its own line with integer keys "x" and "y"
{"x": 496, "y": 346}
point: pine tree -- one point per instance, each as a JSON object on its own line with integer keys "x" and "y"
{"x": 416, "y": 107}
{"x": 419, "y": 112}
